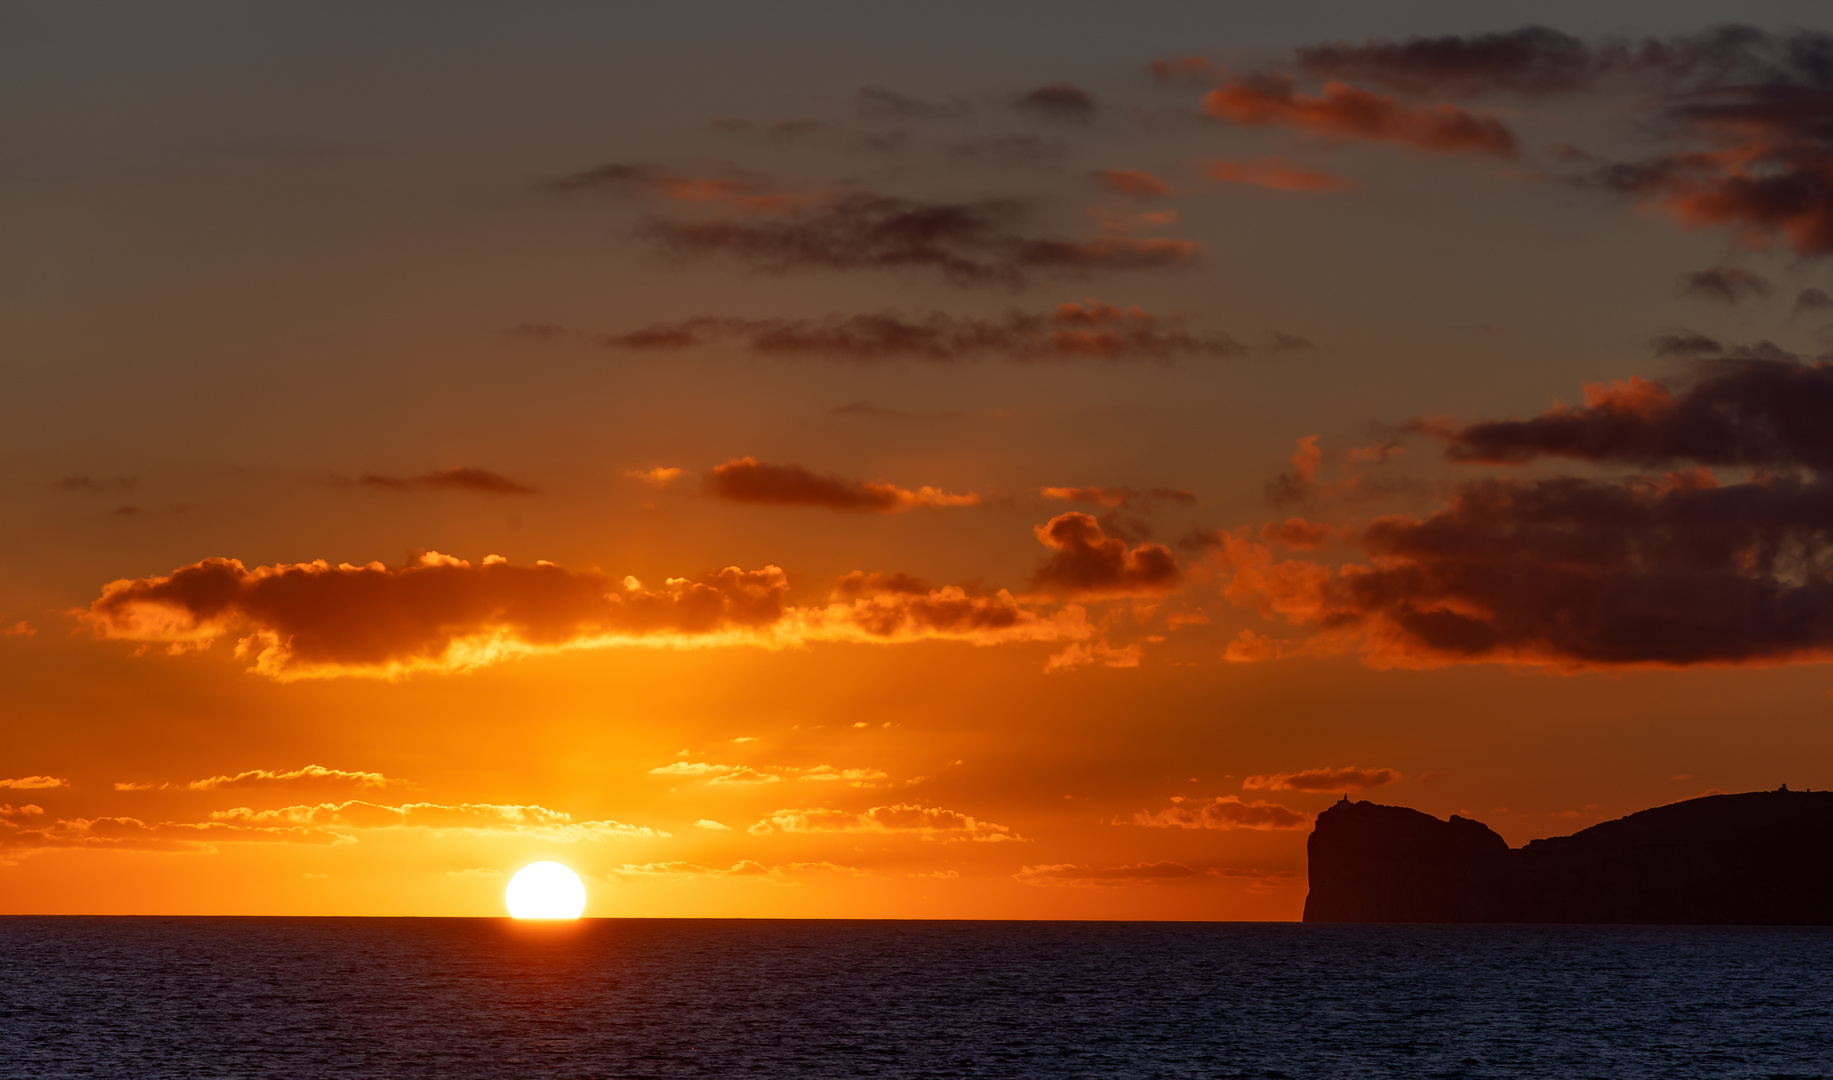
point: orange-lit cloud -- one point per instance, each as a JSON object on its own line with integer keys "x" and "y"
{"x": 1088, "y": 329}
{"x": 1672, "y": 569}
{"x": 439, "y": 613}
{"x": 659, "y": 477}
{"x": 312, "y": 776}
{"x": 519, "y": 819}
{"x": 749, "y": 480}
{"x": 1135, "y": 182}
{"x": 1333, "y": 780}
{"x": 929, "y": 822}
{"x": 1275, "y": 173}
{"x": 34, "y": 783}
{"x": 460, "y": 478}
{"x": 1222, "y": 812}
{"x": 29, "y": 828}
{"x": 1297, "y": 533}
{"x": 1143, "y": 873}
{"x": 717, "y": 774}
{"x": 1116, "y": 498}
{"x": 1088, "y": 563}
{"x": 1344, "y": 111}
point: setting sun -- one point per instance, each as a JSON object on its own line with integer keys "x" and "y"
{"x": 545, "y": 890}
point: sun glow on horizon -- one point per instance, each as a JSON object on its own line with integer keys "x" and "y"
{"x": 545, "y": 890}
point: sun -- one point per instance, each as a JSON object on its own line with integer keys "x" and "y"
{"x": 545, "y": 890}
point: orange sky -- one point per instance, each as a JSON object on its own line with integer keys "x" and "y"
{"x": 1026, "y": 480}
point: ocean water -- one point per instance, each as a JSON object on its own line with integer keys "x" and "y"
{"x": 148, "y": 998}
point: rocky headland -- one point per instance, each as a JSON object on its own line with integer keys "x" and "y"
{"x": 1762, "y": 857}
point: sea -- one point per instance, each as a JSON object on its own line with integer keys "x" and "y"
{"x": 154, "y": 997}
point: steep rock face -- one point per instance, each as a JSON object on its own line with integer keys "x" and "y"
{"x": 1762, "y": 857}
{"x": 1373, "y": 863}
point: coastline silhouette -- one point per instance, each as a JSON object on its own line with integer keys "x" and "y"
{"x": 1756, "y": 858}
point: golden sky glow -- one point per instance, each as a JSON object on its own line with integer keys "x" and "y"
{"x": 876, "y": 476}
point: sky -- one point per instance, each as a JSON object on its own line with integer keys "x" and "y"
{"x": 894, "y": 461}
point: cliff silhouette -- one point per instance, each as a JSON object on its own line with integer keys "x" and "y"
{"x": 1762, "y": 857}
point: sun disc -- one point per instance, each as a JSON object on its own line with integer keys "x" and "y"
{"x": 545, "y": 890}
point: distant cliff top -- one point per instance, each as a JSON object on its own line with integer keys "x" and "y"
{"x": 1757, "y": 857}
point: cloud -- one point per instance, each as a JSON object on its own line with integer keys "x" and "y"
{"x": 1183, "y": 70}
{"x": 1059, "y": 101}
{"x": 1145, "y": 873}
{"x": 717, "y": 774}
{"x": 29, "y": 828}
{"x": 1116, "y": 498}
{"x": 929, "y": 822}
{"x": 1344, "y": 111}
{"x": 1532, "y": 60}
{"x": 34, "y": 783}
{"x": 1296, "y": 532}
{"x": 659, "y": 477}
{"x": 879, "y": 103}
{"x": 460, "y": 478}
{"x": 749, "y": 480}
{"x": 1812, "y": 300}
{"x": 708, "y": 823}
{"x": 1751, "y": 109}
{"x": 1222, "y": 812}
{"x": 438, "y": 613}
{"x": 1350, "y": 779}
{"x": 310, "y": 776}
{"x": 1297, "y": 485}
{"x": 1727, "y": 283}
{"x": 1086, "y": 562}
{"x": 1671, "y": 568}
{"x": 1088, "y": 329}
{"x": 1274, "y": 172}
{"x": 1135, "y": 182}
{"x": 744, "y": 191}
{"x": 744, "y": 868}
{"x": 20, "y": 629}
{"x": 1685, "y": 344}
{"x": 967, "y": 243}
{"x": 520, "y": 819}
{"x": 1084, "y": 653}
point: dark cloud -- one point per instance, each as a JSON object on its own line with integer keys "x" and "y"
{"x": 1087, "y": 562}
{"x": 749, "y": 480}
{"x": 1730, "y": 284}
{"x": 1758, "y": 409}
{"x": 1059, "y": 101}
{"x": 1809, "y": 300}
{"x": 437, "y": 612}
{"x": 967, "y": 243}
{"x": 1086, "y": 330}
{"x": 1531, "y": 60}
{"x": 1343, "y": 111}
{"x": 879, "y": 103}
{"x": 1686, "y": 344}
{"x": 460, "y": 478}
{"x": 1535, "y": 60}
{"x": 1673, "y": 567}
{"x": 1222, "y": 812}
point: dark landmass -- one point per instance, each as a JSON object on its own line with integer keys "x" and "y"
{"x": 1761, "y": 858}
